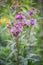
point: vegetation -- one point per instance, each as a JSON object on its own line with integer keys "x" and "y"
{"x": 21, "y": 33}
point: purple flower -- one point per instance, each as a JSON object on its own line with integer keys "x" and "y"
{"x": 12, "y": 31}
{"x": 19, "y": 16}
{"x": 30, "y": 12}
{"x": 32, "y": 22}
{"x": 18, "y": 31}
{"x": 18, "y": 25}
{"x": 15, "y": 32}
{"x": 9, "y": 26}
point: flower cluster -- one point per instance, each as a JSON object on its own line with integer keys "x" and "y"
{"x": 15, "y": 32}
{"x": 19, "y": 16}
{"x": 19, "y": 25}
{"x": 15, "y": 29}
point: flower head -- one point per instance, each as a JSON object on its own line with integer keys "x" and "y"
{"x": 32, "y": 22}
{"x": 9, "y": 26}
{"x": 30, "y": 12}
{"x": 19, "y": 16}
{"x": 15, "y": 32}
{"x": 18, "y": 25}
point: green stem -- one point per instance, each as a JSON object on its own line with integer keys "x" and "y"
{"x": 17, "y": 50}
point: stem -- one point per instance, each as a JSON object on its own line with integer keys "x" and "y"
{"x": 17, "y": 50}
{"x": 25, "y": 52}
